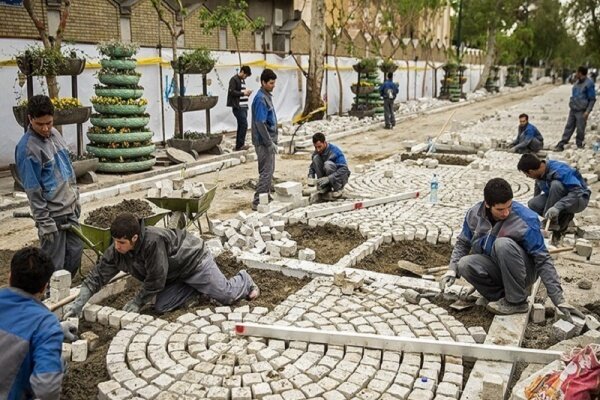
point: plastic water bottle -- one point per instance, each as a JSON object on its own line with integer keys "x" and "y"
{"x": 596, "y": 147}
{"x": 433, "y": 194}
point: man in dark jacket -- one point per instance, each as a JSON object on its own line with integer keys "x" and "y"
{"x": 264, "y": 133}
{"x": 507, "y": 253}
{"x": 581, "y": 103}
{"x": 44, "y": 167}
{"x": 171, "y": 263}
{"x": 529, "y": 139}
{"x": 388, "y": 91}
{"x": 237, "y": 99}
{"x": 329, "y": 166}
{"x": 560, "y": 192}
{"x": 30, "y": 334}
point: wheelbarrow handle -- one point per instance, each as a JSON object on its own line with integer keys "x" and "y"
{"x": 22, "y": 214}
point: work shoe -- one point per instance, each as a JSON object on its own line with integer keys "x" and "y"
{"x": 254, "y": 207}
{"x": 503, "y": 307}
{"x": 244, "y": 147}
{"x": 337, "y": 194}
{"x": 557, "y": 238}
{"x": 559, "y": 147}
{"x": 482, "y": 302}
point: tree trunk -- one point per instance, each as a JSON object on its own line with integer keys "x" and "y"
{"x": 53, "y": 88}
{"x": 237, "y": 46}
{"x": 339, "y": 79}
{"x": 175, "y": 81}
{"x": 407, "y": 80}
{"x": 314, "y": 80}
{"x": 490, "y": 55}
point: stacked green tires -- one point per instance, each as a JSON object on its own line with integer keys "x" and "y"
{"x": 512, "y": 80}
{"x": 119, "y": 137}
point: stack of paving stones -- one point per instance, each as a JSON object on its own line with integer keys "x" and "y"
{"x": 176, "y": 188}
{"x": 198, "y": 356}
{"x": 255, "y": 233}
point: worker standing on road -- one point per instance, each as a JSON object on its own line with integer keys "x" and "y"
{"x": 329, "y": 166}
{"x": 388, "y": 91}
{"x": 30, "y": 334}
{"x": 560, "y": 192}
{"x": 529, "y": 139}
{"x": 45, "y": 169}
{"x": 172, "y": 264}
{"x": 237, "y": 99}
{"x": 501, "y": 252}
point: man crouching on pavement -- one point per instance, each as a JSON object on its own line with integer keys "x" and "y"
{"x": 507, "y": 254}
{"x": 172, "y": 264}
{"x": 329, "y": 166}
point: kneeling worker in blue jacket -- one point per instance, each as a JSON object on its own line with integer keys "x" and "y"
{"x": 501, "y": 252}
{"x": 329, "y": 166}
{"x": 30, "y": 335}
{"x": 560, "y": 192}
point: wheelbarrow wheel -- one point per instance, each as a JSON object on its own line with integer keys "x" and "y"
{"x": 176, "y": 220}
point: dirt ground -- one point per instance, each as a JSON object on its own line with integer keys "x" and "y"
{"x": 102, "y": 217}
{"x": 329, "y": 242}
{"x": 82, "y": 379}
{"x": 442, "y": 158}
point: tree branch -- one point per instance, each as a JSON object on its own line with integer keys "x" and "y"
{"x": 39, "y": 25}
{"x": 62, "y": 25}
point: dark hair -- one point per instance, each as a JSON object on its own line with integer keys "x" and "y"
{"x": 39, "y": 106}
{"x": 528, "y": 162}
{"x": 582, "y": 70}
{"x": 524, "y": 116}
{"x": 125, "y": 226}
{"x": 390, "y": 75}
{"x": 30, "y": 269}
{"x": 267, "y": 75}
{"x": 318, "y": 137}
{"x": 497, "y": 191}
{"x": 246, "y": 70}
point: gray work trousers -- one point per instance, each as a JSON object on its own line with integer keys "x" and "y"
{"x": 507, "y": 273}
{"x": 338, "y": 174}
{"x": 388, "y": 112}
{"x": 575, "y": 120}
{"x": 542, "y": 202}
{"x": 208, "y": 280}
{"x": 533, "y": 147}
{"x": 266, "y": 168}
{"x": 66, "y": 248}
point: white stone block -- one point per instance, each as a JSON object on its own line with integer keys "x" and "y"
{"x": 538, "y": 313}
{"x": 306, "y": 255}
{"x": 493, "y": 387}
{"x": 288, "y": 188}
{"x": 79, "y": 350}
{"x": 61, "y": 279}
{"x": 563, "y": 329}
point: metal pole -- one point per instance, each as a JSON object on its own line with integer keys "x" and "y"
{"x": 162, "y": 91}
{"x": 179, "y": 98}
{"x": 79, "y": 126}
{"x": 459, "y": 29}
{"x": 205, "y": 92}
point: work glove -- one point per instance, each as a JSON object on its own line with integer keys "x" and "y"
{"x": 273, "y": 148}
{"x": 48, "y": 237}
{"x": 75, "y": 308}
{"x": 552, "y": 213}
{"x": 132, "y": 306}
{"x": 447, "y": 280}
{"x": 323, "y": 182}
{"x": 569, "y": 310}
{"x": 69, "y": 331}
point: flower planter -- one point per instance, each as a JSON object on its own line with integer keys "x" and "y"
{"x": 120, "y": 137}
{"x": 61, "y": 117}
{"x": 118, "y": 64}
{"x": 199, "y": 145}
{"x": 388, "y": 68}
{"x": 129, "y": 152}
{"x": 120, "y": 52}
{"x": 123, "y": 93}
{"x": 69, "y": 66}
{"x": 362, "y": 90}
{"x": 116, "y": 80}
{"x": 119, "y": 109}
{"x": 119, "y": 122}
{"x": 81, "y": 167}
{"x": 363, "y": 70}
{"x": 131, "y": 166}
{"x": 193, "y": 103}
{"x": 192, "y": 69}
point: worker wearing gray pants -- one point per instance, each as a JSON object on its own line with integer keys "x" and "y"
{"x": 171, "y": 263}
{"x": 501, "y": 252}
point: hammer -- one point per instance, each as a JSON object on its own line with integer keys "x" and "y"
{"x": 546, "y": 231}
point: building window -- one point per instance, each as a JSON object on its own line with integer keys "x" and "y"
{"x": 223, "y": 39}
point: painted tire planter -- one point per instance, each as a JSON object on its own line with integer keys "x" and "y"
{"x": 120, "y": 137}
{"x": 363, "y": 70}
{"x": 69, "y": 66}
{"x": 113, "y": 79}
{"x": 61, "y": 117}
{"x": 123, "y": 93}
{"x": 132, "y": 166}
{"x": 119, "y": 109}
{"x": 118, "y": 64}
{"x": 361, "y": 90}
{"x": 193, "y": 103}
{"x": 388, "y": 69}
{"x": 120, "y": 52}
{"x": 123, "y": 122}
{"x": 129, "y": 152}
{"x": 199, "y": 145}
